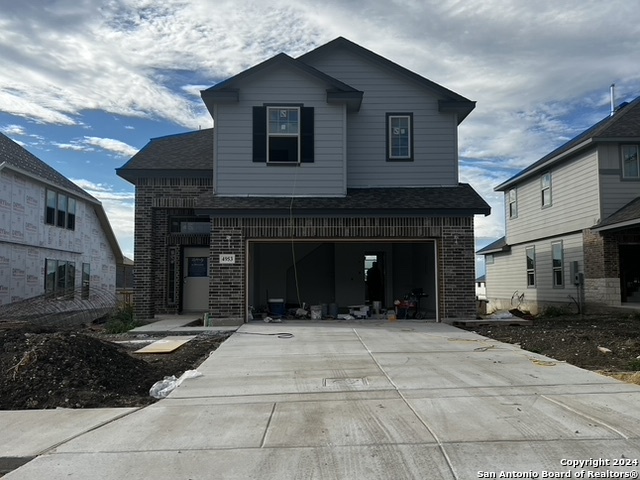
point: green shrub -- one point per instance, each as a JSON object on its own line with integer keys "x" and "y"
{"x": 634, "y": 365}
{"x": 121, "y": 320}
{"x": 555, "y": 311}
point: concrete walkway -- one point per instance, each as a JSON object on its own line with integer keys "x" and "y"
{"x": 363, "y": 400}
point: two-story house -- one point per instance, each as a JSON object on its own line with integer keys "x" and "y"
{"x": 572, "y": 223}
{"x": 56, "y": 242}
{"x": 317, "y": 167}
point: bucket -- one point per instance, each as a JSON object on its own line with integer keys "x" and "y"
{"x": 316, "y": 312}
{"x": 276, "y": 306}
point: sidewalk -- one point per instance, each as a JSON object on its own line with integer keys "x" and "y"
{"x": 361, "y": 400}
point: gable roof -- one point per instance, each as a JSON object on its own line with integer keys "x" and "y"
{"x": 627, "y": 216}
{"x": 461, "y": 200}
{"x": 16, "y": 158}
{"x": 181, "y": 154}
{"x": 623, "y": 125}
{"x": 21, "y": 160}
{"x": 227, "y": 91}
{"x": 450, "y": 100}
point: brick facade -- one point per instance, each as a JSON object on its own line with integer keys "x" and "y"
{"x": 454, "y": 240}
{"x": 156, "y": 200}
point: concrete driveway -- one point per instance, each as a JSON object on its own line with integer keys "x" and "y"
{"x": 366, "y": 400}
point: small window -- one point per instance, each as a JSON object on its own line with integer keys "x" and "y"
{"x": 283, "y": 134}
{"x": 191, "y": 225}
{"x": 399, "y": 136}
{"x": 488, "y": 259}
{"x": 557, "y": 264}
{"x": 60, "y": 210}
{"x": 531, "y": 266}
{"x": 513, "y": 203}
{"x": 545, "y": 189}
{"x": 59, "y": 279}
{"x": 630, "y": 162}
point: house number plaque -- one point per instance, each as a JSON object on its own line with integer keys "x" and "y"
{"x": 227, "y": 258}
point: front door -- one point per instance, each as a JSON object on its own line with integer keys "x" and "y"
{"x": 195, "y": 297}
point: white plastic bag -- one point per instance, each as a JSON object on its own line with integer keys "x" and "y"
{"x": 164, "y": 387}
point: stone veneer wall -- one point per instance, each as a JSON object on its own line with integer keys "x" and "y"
{"x": 455, "y": 244}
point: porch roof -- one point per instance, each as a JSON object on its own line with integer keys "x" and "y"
{"x": 627, "y": 216}
{"x": 460, "y": 200}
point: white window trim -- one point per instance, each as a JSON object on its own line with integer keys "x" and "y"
{"x": 409, "y": 155}
{"x": 543, "y": 188}
{"x": 513, "y": 213}
{"x": 530, "y": 271}
{"x": 555, "y": 269}
{"x": 281, "y": 135}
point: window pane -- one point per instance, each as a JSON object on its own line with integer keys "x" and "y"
{"x": 630, "y": 161}
{"x": 51, "y": 207}
{"x": 283, "y": 149}
{"x": 531, "y": 263}
{"x": 61, "y": 278}
{"x": 546, "y": 180}
{"x": 70, "y": 282}
{"x": 557, "y": 278}
{"x": 399, "y": 137}
{"x": 50, "y": 277}
{"x": 86, "y": 279}
{"x": 557, "y": 254}
{"x": 546, "y": 197}
{"x": 71, "y": 214}
{"x": 283, "y": 121}
{"x": 62, "y": 210}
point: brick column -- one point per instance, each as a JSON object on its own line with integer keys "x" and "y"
{"x": 457, "y": 269}
{"x": 227, "y": 281}
{"x": 143, "y": 251}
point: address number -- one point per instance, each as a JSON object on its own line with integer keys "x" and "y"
{"x": 227, "y": 258}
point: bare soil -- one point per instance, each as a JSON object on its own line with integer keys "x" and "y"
{"x": 43, "y": 367}
{"x": 83, "y": 367}
{"x": 580, "y": 341}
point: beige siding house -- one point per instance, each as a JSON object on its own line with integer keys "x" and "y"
{"x": 572, "y": 222}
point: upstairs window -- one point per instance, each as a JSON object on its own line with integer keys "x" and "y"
{"x": 399, "y": 136}
{"x": 283, "y": 134}
{"x": 531, "y": 266}
{"x": 513, "y": 203}
{"x": 630, "y": 162}
{"x": 196, "y": 225}
{"x": 60, "y": 210}
{"x": 545, "y": 189}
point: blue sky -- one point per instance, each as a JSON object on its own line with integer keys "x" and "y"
{"x": 84, "y": 84}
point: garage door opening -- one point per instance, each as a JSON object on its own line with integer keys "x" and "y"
{"x": 336, "y": 273}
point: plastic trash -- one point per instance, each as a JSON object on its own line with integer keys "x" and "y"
{"x": 164, "y": 387}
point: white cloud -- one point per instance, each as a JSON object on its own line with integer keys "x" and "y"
{"x": 13, "y": 129}
{"x": 119, "y": 206}
{"x": 116, "y": 146}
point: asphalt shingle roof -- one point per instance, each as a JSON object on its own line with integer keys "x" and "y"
{"x": 461, "y": 199}
{"x": 18, "y": 157}
{"x": 630, "y": 213}
{"x": 184, "y": 151}
{"x": 499, "y": 245}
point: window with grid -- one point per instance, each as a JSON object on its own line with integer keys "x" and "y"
{"x": 399, "y": 136}
{"x": 59, "y": 278}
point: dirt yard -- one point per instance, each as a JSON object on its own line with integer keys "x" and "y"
{"x": 83, "y": 368}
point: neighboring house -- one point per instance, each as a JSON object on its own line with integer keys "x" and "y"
{"x": 317, "y": 167}
{"x": 481, "y": 288}
{"x": 55, "y": 239}
{"x": 573, "y": 223}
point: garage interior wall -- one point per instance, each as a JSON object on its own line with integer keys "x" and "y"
{"x": 334, "y": 272}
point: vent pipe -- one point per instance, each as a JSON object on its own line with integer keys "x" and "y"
{"x": 613, "y": 100}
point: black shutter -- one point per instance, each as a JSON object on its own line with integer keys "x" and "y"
{"x": 259, "y": 134}
{"x": 306, "y": 135}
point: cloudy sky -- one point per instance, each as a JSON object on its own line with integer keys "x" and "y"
{"x": 84, "y": 84}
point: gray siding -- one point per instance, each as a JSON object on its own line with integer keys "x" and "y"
{"x": 507, "y": 276}
{"x": 234, "y": 171}
{"x": 435, "y": 134}
{"x": 575, "y": 202}
{"x": 614, "y": 191}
